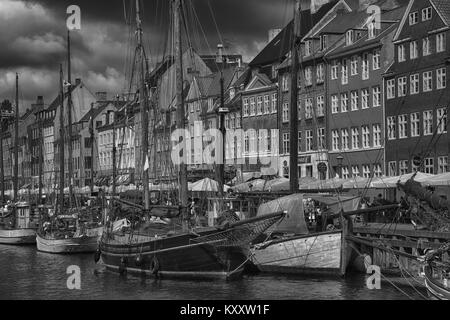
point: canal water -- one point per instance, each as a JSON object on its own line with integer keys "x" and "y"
{"x": 28, "y": 274}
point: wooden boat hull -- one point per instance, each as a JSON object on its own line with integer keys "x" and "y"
{"x": 320, "y": 254}
{"x": 18, "y": 236}
{"x": 174, "y": 257}
{"x": 85, "y": 244}
{"x": 436, "y": 290}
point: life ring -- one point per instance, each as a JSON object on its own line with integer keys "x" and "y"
{"x": 154, "y": 266}
{"x": 97, "y": 255}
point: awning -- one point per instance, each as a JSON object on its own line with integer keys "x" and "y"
{"x": 391, "y": 182}
{"x": 442, "y": 179}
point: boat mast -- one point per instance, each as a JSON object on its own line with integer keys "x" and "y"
{"x": 183, "y": 192}
{"x": 114, "y": 150}
{"x": 69, "y": 119}
{"x": 221, "y": 167}
{"x": 16, "y": 143}
{"x": 41, "y": 142}
{"x": 2, "y": 175}
{"x": 144, "y": 109}
{"x": 61, "y": 142}
{"x": 293, "y": 158}
{"x": 91, "y": 132}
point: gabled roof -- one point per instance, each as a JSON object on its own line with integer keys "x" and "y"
{"x": 260, "y": 78}
{"x": 443, "y": 9}
{"x": 345, "y": 21}
{"x": 281, "y": 44}
{"x": 214, "y": 88}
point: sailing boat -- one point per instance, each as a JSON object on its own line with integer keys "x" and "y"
{"x": 69, "y": 231}
{"x": 149, "y": 247}
{"x": 18, "y": 224}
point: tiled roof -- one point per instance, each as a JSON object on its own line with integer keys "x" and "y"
{"x": 214, "y": 88}
{"x": 443, "y": 7}
{"x": 281, "y": 44}
{"x": 345, "y": 21}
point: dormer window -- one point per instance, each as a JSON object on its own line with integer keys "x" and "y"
{"x": 308, "y": 48}
{"x": 413, "y": 18}
{"x": 349, "y": 37}
{"x": 323, "y": 42}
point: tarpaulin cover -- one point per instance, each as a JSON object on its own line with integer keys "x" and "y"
{"x": 294, "y": 221}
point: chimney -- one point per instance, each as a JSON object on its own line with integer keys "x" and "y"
{"x": 101, "y": 96}
{"x": 273, "y": 33}
{"x": 40, "y": 100}
{"x": 219, "y": 58}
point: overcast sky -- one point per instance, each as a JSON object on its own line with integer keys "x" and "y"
{"x": 33, "y": 38}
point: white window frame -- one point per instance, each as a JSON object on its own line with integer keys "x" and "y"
{"x": 344, "y": 102}
{"x": 440, "y": 42}
{"x": 376, "y": 131}
{"x": 334, "y": 104}
{"x": 427, "y": 13}
{"x": 441, "y": 78}
{"x": 402, "y": 126}
{"x": 427, "y": 122}
{"x": 355, "y": 138}
{"x": 413, "y": 18}
{"x": 365, "y": 137}
{"x": 390, "y": 89}
{"x": 441, "y": 120}
{"x": 415, "y": 124}
{"x": 376, "y": 64}
{"x": 391, "y": 128}
{"x": 414, "y": 86}
{"x": 428, "y": 81}
{"x": 413, "y": 50}
{"x": 376, "y": 96}
{"x": 354, "y": 100}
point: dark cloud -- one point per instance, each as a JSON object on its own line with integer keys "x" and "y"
{"x": 35, "y": 43}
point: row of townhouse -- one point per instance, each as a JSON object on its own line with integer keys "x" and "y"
{"x": 370, "y": 98}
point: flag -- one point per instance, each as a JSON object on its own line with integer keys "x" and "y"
{"x": 146, "y": 165}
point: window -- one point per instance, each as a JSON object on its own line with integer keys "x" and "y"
{"x": 354, "y": 100}
{"x": 355, "y": 138}
{"x": 323, "y": 42}
{"x": 366, "y": 171}
{"x": 426, "y": 47}
{"x": 266, "y": 104}
{"x": 334, "y": 70}
{"x": 414, "y": 83}
{"x": 427, "y": 81}
{"x": 308, "y": 48}
{"x": 321, "y": 138}
{"x": 308, "y": 76}
{"x": 344, "y": 75}
{"x": 309, "y": 140}
{"x": 401, "y": 53}
{"x": 440, "y": 42}
{"x": 414, "y": 167}
{"x": 429, "y": 165}
{"x": 376, "y": 96}
{"x": 335, "y": 140}
{"x": 371, "y": 30}
{"x": 376, "y": 60}
{"x": 364, "y": 98}
{"x": 344, "y": 102}
{"x": 308, "y": 108}
{"x": 355, "y": 171}
{"x": 285, "y": 112}
{"x": 334, "y": 103}
{"x": 345, "y": 172}
{"x": 441, "y": 78}
{"x": 426, "y": 14}
{"x": 413, "y": 18}
{"x": 349, "y": 37}
{"x": 299, "y": 107}
{"x": 286, "y": 143}
{"x": 413, "y": 50}
{"x": 390, "y": 88}
{"x": 320, "y": 73}
{"x": 252, "y": 106}
{"x": 299, "y": 141}
{"x": 274, "y": 102}
{"x": 344, "y": 139}
{"x": 402, "y": 86}
{"x": 442, "y": 120}
{"x": 354, "y": 66}
{"x": 365, "y": 137}
{"x": 427, "y": 123}
{"x": 392, "y": 168}
{"x": 391, "y": 126}
{"x": 442, "y": 164}
{"x": 403, "y": 166}
{"x": 320, "y": 106}
{"x": 402, "y": 123}
{"x": 259, "y": 108}
{"x": 285, "y": 83}
{"x": 378, "y": 172}
{"x": 365, "y": 66}
{"x": 246, "y": 143}
{"x": 376, "y": 135}
{"x": 415, "y": 123}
